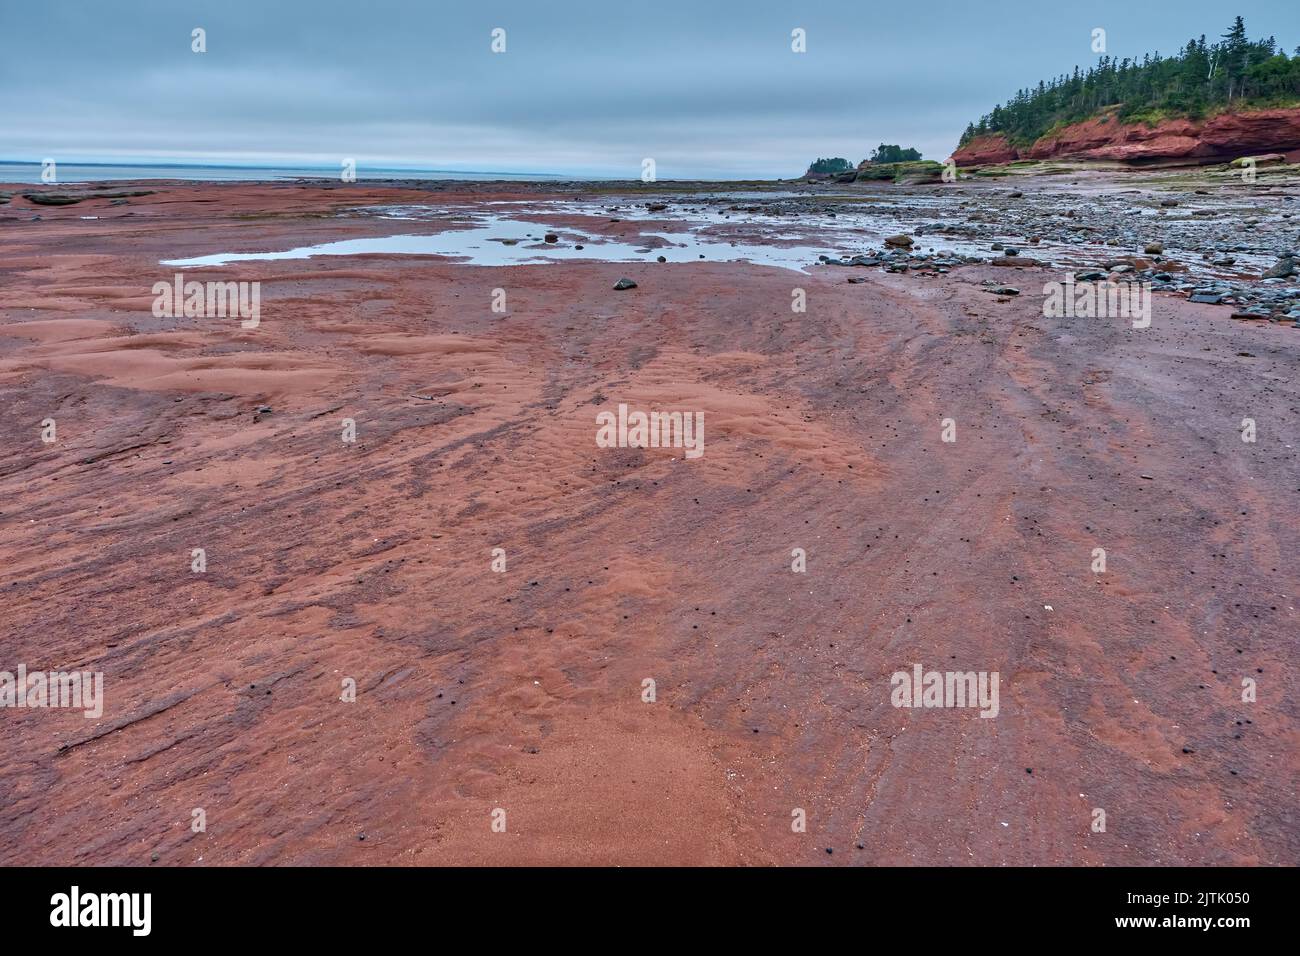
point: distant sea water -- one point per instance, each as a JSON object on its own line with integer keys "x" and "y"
{"x": 71, "y": 173}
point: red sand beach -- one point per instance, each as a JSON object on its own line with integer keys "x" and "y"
{"x": 523, "y": 690}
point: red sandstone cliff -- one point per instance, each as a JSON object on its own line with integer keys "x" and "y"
{"x": 1222, "y": 137}
{"x": 985, "y": 150}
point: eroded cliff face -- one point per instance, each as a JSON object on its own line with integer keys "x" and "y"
{"x": 986, "y": 150}
{"x": 1217, "y": 138}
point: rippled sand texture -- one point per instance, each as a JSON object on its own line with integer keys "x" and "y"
{"x": 522, "y": 690}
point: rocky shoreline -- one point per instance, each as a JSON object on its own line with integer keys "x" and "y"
{"x": 1172, "y": 237}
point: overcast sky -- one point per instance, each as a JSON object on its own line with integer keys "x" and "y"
{"x": 706, "y": 88}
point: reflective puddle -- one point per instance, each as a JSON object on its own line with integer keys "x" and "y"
{"x": 501, "y": 240}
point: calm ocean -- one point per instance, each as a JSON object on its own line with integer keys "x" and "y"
{"x": 69, "y": 173}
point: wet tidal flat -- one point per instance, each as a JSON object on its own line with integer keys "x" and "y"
{"x": 364, "y": 584}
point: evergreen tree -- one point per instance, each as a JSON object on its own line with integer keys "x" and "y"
{"x": 832, "y": 166}
{"x": 1201, "y": 76}
{"x": 894, "y": 154}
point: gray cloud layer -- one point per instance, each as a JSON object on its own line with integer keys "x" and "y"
{"x": 706, "y": 89}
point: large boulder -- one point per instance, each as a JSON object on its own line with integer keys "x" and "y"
{"x": 906, "y": 174}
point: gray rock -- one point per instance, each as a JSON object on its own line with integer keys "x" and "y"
{"x": 624, "y": 283}
{"x": 1281, "y": 269}
{"x": 52, "y": 199}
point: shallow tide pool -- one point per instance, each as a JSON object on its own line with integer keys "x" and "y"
{"x": 501, "y": 240}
